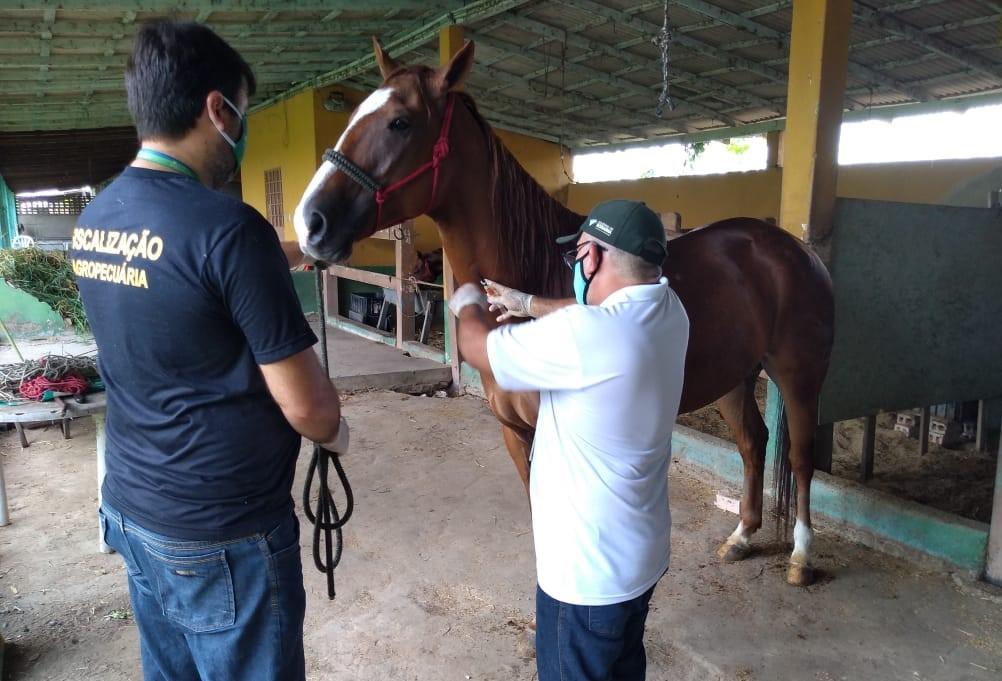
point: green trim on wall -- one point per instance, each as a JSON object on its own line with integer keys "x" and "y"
{"x": 27, "y": 316}
{"x": 949, "y": 537}
{"x": 8, "y": 215}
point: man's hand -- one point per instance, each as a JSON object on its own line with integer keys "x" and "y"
{"x": 508, "y": 301}
{"x": 467, "y": 294}
{"x": 339, "y": 444}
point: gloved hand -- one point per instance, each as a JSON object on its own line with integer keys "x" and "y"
{"x": 508, "y": 301}
{"x": 467, "y": 294}
{"x": 339, "y": 444}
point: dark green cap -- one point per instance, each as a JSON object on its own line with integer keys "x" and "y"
{"x": 629, "y": 226}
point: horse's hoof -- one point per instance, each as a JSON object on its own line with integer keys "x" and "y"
{"x": 800, "y": 575}
{"x": 732, "y": 553}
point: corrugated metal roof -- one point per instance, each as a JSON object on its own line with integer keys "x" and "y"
{"x": 585, "y": 70}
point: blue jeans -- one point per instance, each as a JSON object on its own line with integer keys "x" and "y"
{"x": 214, "y": 610}
{"x": 591, "y": 642}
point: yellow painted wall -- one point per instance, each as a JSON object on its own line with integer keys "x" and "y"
{"x": 701, "y": 199}
{"x": 707, "y": 198}
{"x": 281, "y": 136}
{"x": 914, "y": 182}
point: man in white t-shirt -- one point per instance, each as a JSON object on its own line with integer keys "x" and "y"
{"x": 609, "y": 373}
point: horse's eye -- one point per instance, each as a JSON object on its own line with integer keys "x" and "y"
{"x": 399, "y": 124}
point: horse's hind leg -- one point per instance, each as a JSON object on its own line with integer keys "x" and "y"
{"x": 800, "y": 393}
{"x": 740, "y": 411}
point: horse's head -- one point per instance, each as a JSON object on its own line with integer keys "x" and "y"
{"x": 384, "y": 168}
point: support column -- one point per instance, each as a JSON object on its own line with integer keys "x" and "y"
{"x": 819, "y": 56}
{"x": 450, "y": 41}
{"x": 404, "y": 257}
{"x": 819, "y": 53}
{"x": 993, "y": 568}
{"x": 774, "y": 149}
{"x": 869, "y": 445}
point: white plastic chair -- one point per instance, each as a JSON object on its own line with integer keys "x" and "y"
{"x": 22, "y": 241}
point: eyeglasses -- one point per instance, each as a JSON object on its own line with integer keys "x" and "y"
{"x": 571, "y": 256}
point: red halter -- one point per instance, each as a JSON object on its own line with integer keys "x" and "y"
{"x": 439, "y": 153}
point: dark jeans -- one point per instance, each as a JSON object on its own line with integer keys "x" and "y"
{"x": 591, "y": 642}
{"x": 214, "y": 610}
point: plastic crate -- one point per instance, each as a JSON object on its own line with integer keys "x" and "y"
{"x": 364, "y": 307}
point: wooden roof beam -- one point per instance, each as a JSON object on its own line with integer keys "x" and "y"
{"x": 606, "y": 78}
{"x": 651, "y": 29}
{"x": 508, "y": 79}
{"x": 593, "y": 48}
{"x": 736, "y": 20}
{"x": 121, "y": 6}
{"x": 892, "y": 24}
{"x": 407, "y": 41}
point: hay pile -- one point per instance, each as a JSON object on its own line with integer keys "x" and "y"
{"x": 48, "y": 276}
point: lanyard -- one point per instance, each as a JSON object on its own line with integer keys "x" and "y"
{"x": 169, "y": 162}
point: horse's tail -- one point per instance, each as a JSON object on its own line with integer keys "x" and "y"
{"x": 783, "y": 486}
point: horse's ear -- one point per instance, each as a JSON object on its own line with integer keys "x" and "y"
{"x": 451, "y": 76}
{"x": 386, "y": 63}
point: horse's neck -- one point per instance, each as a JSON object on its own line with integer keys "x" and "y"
{"x": 516, "y": 248}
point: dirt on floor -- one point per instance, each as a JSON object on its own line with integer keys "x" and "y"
{"x": 958, "y": 480}
{"x": 437, "y": 580}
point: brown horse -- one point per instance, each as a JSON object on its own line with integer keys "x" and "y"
{"x": 756, "y": 296}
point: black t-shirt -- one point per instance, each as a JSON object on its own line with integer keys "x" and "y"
{"x": 187, "y": 291}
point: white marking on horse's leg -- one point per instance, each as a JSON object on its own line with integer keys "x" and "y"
{"x": 374, "y": 102}
{"x": 740, "y": 536}
{"x": 325, "y": 170}
{"x": 802, "y": 537}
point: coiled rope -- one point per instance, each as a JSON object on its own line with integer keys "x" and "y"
{"x": 327, "y": 522}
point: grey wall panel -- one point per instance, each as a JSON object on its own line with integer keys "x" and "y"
{"x": 918, "y": 307}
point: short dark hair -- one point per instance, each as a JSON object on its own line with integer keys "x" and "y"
{"x": 174, "y": 65}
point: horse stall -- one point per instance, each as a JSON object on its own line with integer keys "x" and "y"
{"x": 401, "y": 298}
{"x": 918, "y": 323}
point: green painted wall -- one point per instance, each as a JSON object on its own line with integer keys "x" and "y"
{"x": 25, "y": 315}
{"x": 8, "y": 215}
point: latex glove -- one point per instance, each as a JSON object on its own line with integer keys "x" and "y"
{"x": 467, "y": 294}
{"x": 339, "y": 444}
{"x": 508, "y": 301}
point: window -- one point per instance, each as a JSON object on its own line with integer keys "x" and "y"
{"x": 273, "y": 198}
{"x": 67, "y": 204}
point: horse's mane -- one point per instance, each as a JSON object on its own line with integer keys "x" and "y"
{"x": 526, "y": 219}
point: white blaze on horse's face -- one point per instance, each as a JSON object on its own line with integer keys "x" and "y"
{"x": 299, "y": 219}
{"x": 374, "y": 102}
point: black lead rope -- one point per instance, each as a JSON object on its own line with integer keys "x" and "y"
{"x": 327, "y": 522}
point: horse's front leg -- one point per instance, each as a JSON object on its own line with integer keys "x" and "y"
{"x": 741, "y": 413}
{"x": 517, "y": 413}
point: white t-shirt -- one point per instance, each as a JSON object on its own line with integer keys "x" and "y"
{"x": 610, "y": 380}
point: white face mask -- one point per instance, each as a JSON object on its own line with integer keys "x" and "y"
{"x": 239, "y": 146}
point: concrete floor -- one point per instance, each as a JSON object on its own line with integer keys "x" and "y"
{"x": 437, "y": 578}
{"x": 360, "y": 364}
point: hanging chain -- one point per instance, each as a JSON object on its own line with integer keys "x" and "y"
{"x": 663, "y": 41}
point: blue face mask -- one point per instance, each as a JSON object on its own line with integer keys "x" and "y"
{"x": 580, "y": 283}
{"x": 240, "y": 145}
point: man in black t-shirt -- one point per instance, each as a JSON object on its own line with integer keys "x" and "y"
{"x": 210, "y": 373}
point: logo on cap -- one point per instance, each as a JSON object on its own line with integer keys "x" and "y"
{"x": 600, "y": 226}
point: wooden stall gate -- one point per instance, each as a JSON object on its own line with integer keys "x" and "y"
{"x": 403, "y": 288}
